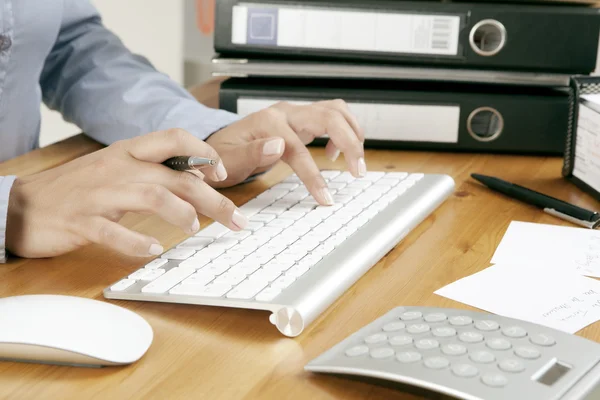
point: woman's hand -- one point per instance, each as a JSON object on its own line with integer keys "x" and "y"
{"x": 81, "y": 202}
{"x": 253, "y": 144}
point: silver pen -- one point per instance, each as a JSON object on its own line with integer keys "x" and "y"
{"x": 188, "y": 163}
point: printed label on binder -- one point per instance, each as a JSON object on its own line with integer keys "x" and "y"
{"x": 323, "y": 28}
{"x": 394, "y": 122}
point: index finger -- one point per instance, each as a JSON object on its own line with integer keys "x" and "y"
{"x": 159, "y": 146}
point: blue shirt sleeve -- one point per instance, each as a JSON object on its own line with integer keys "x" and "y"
{"x": 112, "y": 94}
{"x": 6, "y": 183}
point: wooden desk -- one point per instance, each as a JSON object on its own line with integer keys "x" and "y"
{"x": 219, "y": 353}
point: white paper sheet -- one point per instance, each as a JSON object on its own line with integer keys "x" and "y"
{"x": 557, "y": 248}
{"x": 563, "y": 301}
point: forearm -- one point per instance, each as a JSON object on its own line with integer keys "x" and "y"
{"x": 111, "y": 93}
{"x": 6, "y": 183}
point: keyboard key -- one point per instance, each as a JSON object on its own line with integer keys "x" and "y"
{"x": 357, "y": 351}
{"x": 373, "y": 176}
{"x": 247, "y": 290}
{"x": 464, "y": 370}
{"x": 487, "y": 325}
{"x": 264, "y": 218}
{"x": 514, "y": 332}
{"x": 400, "y": 340}
{"x": 146, "y": 274}
{"x": 435, "y": 317}
{"x": 228, "y": 259}
{"x": 436, "y": 362}
{"x": 283, "y": 282}
{"x": 376, "y": 338}
{"x": 427, "y": 344}
{"x": 494, "y": 379}
{"x": 443, "y": 331}
{"x": 382, "y": 352}
{"x": 406, "y": 357}
{"x": 156, "y": 263}
{"x": 223, "y": 243}
{"x": 122, "y": 285}
{"x": 498, "y": 344}
{"x": 268, "y": 294}
{"x": 470, "y": 337}
{"x": 329, "y": 174}
{"x": 529, "y": 353}
{"x": 482, "y": 356}
{"x": 168, "y": 280}
{"x": 542, "y": 339}
{"x": 195, "y": 243}
{"x": 215, "y": 268}
{"x": 254, "y": 226}
{"x": 460, "y": 320}
{"x": 178, "y": 254}
{"x": 214, "y": 230}
{"x": 195, "y": 262}
{"x": 229, "y": 278}
{"x": 275, "y": 210}
{"x": 411, "y": 315}
{"x": 511, "y": 365}
{"x": 454, "y": 349}
{"x": 239, "y": 235}
{"x": 280, "y": 223}
{"x": 417, "y": 328}
{"x": 198, "y": 278}
{"x": 209, "y": 253}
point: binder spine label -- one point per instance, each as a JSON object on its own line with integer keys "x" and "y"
{"x": 326, "y": 28}
{"x": 393, "y": 122}
{"x": 587, "y": 147}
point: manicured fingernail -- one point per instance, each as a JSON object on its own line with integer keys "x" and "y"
{"x": 239, "y": 219}
{"x": 362, "y": 167}
{"x": 221, "y": 172}
{"x": 326, "y": 194}
{"x": 335, "y": 155}
{"x": 155, "y": 249}
{"x": 272, "y": 147}
{"x": 195, "y": 226}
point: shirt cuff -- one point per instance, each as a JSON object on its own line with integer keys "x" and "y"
{"x": 6, "y": 183}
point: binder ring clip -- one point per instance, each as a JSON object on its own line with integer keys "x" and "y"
{"x": 481, "y": 120}
{"x": 487, "y": 37}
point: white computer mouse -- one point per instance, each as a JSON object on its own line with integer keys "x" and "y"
{"x": 66, "y": 330}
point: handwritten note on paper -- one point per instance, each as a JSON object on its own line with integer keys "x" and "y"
{"x": 563, "y": 301}
{"x": 561, "y": 248}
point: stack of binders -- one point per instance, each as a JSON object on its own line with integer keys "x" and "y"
{"x": 429, "y": 75}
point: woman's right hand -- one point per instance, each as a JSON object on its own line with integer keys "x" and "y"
{"x": 81, "y": 202}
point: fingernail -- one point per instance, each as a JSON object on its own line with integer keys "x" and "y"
{"x": 362, "y": 167}
{"x": 326, "y": 194}
{"x": 221, "y": 172}
{"x": 239, "y": 219}
{"x": 195, "y": 226}
{"x": 155, "y": 249}
{"x": 335, "y": 155}
{"x": 272, "y": 147}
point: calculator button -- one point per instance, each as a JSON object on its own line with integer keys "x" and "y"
{"x": 511, "y": 365}
{"x": 482, "y": 356}
{"x": 494, "y": 380}
{"x": 357, "y": 351}
{"x": 443, "y": 331}
{"x": 514, "y": 332}
{"x": 436, "y": 362}
{"x": 411, "y": 315}
{"x": 528, "y": 353}
{"x": 376, "y": 338}
{"x": 542, "y": 339}
{"x": 435, "y": 317}
{"x": 487, "y": 325}
{"x": 417, "y": 328}
{"x": 408, "y": 357}
{"x": 400, "y": 340}
{"x": 454, "y": 349}
{"x": 427, "y": 344}
{"x": 498, "y": 344}
{"x": 460, "y": 320}
{"x": 382, "y": 352}
{"x": 464, "y": 370}
{"x": 470, "y": 337}
{"x": 394, "y": 326}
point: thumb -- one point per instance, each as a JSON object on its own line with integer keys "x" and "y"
{"x": 244, "y": 160}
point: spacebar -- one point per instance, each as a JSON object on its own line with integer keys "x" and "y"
{"x": 167, "y": 280}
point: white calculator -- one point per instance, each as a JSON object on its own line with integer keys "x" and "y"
{"x": 467, "y": 355}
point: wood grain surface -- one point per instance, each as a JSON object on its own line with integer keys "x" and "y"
{"x": 202, "y": 352}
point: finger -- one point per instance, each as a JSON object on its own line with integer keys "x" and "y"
{"x": 341, "y": 106}
{"x": 297, "y": 156}
{"x": 205, "y": 199}
{"x": 248, "y": 158}
{"x": 150, "y": 198}
{"x": 157, "y": 147}
{"x": 317, "y": 120}
{"x": 117, "y": 237}
{"x": 331, "y": 151}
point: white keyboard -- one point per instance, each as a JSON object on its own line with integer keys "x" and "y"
{"x": 295, "y": 258}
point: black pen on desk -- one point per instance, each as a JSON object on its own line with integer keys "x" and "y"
{"x": 550, "y": 205}
{"x": 185, "y": 163}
